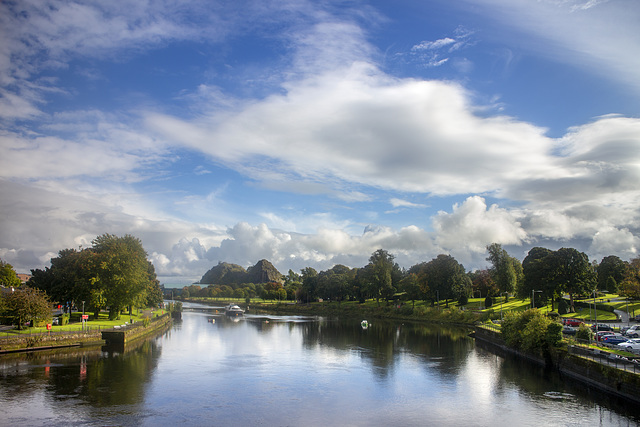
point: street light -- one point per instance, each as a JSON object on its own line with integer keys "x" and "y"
{"x": 533, "y": 305}
{"x": 503, "y": 294}
{"x": 83, "y": 315}
{"x": 595, "y": 309}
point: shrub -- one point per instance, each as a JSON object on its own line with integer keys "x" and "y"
{"x": 488, "y": 302}
{"x": 563, "y": 306}
{"x": 463, "y": 300}
{"x": 584, "y": 333}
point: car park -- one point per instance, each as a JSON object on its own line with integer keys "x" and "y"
{"x": 633, "y": 332}
{"x": 599, "y": 335}
{"x": 630, "y": 345}
{"x": 601, "y": 327}
{"x": 613, "y": 339}
{"x": 572, "y": 322}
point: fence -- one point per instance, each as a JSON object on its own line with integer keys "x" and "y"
{"x": 582, "y": 348}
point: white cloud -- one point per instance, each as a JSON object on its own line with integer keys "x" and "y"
{"x": 472, "y": 226}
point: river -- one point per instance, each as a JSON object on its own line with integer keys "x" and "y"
{"x": 295, "y": 371}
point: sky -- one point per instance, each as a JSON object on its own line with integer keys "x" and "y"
{"x": 312, "y": 133}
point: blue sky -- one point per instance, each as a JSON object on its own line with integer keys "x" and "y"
{"x": 313, "y": 133}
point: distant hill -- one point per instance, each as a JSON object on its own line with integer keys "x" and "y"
{"x": 226, "y": 274}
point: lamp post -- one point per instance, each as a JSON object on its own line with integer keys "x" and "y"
{"x": 595, "y": 309}
{"x": 533, "y": 304}
{"x": 503, "y": 294}
{"x": 83, "y": 315}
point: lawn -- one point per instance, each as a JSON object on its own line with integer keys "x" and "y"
{"x": 102, "y": 322}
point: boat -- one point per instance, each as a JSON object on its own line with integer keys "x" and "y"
{"x": 233, "y": 310}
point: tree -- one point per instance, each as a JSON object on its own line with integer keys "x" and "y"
{"x": 572, "y": 273}
{"x": 309, "y": 284}
{"x": 26, "y": 304}
{"x": 631, "y": 282}
{"x": 504, "y": 268}
{"x": 123, "y": 271}
{"x": 446, "y": 277}
{"x": 611, "y": 272}
{"x": 8, "y": 276}
{"x": 535, "y": 267}
{"x": 414, "y": 288}
{"x": 482, "y": 283}
{"x": 381, "y": 273}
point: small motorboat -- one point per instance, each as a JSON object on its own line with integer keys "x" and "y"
{"x": 233, "y": 310}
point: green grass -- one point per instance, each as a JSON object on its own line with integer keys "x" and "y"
{"x": 102, "y": 322}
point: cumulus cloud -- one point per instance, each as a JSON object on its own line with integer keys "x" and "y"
{"x": 472, "y": 226}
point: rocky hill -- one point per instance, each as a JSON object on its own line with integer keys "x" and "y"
{"x": 226, "y": 274}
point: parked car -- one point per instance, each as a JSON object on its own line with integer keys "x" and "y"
{"x": 613, "y": 339}
{"x": 569, "y": 330}
{"x": 629, "y": 345}
{"x": 637, "y": 318}
{"x": 572, "y": 322}
{"x": 600, "y": 334}
{"x": 602, "y": 327}
{"x": 633, "y": 332}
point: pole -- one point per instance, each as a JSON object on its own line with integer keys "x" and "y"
{"x": 533, "y": 296}
{"x": 83, "y": 315}
{"x": 595, "y": 309}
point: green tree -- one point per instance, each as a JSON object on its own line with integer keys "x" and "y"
{"x": 309, "y": 284}
{"x": 382, "y": 273}
{"x": 8, "y": 276}
{"x": 414, "y": 288}
{"x": 611, "y": 272}
{"x": 26, "y": 304}
{"x": 122, "y": 271}
{"x": 446, "y": 278}
{"x": 536, "y": 269}
{"x": 631, "y": 282}
{"x": 572, "y": 273}
{"x": 483, "y": 284}
{"x": 504, "y": 268}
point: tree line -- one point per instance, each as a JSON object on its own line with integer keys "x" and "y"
{"x": 545, "y": 274}
{"x": 112, "y": 274}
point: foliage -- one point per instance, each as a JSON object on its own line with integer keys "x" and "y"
{"x": 584, "y": 333}
{"x": 563, "y": 306}
{"x": 8, "y": 276}
{"x": 506, "y": 270}
{"x": 488, "y": 302}
{"x": 380, "y": 274}
{"x": 483, "y": 283}
{"x": 631, "y": 283}
{"x": 26, "y": 304}
{"x": 122, "y": 271}
{"x": 611, "y": 271}
{"x": 530, "y": 331}
{"x": 445, "y": 277}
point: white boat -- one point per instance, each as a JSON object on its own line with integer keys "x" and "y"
{"x": 233, "y": 310}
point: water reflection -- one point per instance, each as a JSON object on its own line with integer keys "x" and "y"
{"x": 288, "y": 370}
{"x": 76, "y": 383}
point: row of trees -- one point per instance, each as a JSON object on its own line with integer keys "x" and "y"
{"x": 544, "y": 273}
{"x": 114, "y": 273}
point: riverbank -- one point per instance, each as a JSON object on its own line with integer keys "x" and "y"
{"x": 40, "y": 342}
{"x": 572, "y": 364}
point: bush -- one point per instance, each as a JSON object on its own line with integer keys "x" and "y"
{"x": 530, "y": 331}
{"x": 488, "y": 302}
{"x": 584, "y": 333}
{"x": 563, "y": 306}
{"x": 463, "y": 300}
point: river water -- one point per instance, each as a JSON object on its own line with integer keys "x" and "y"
{"x": 294, "y": 371}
